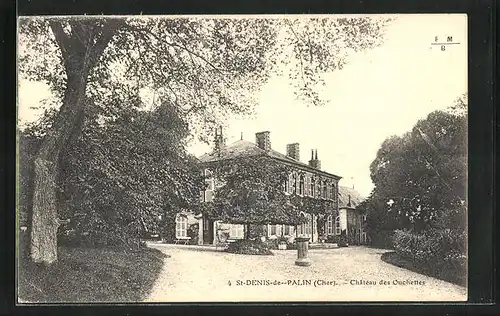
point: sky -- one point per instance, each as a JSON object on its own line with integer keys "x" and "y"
{"x": 379, "y": 93}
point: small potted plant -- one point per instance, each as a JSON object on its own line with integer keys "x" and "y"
{"x": 282, "y": 242}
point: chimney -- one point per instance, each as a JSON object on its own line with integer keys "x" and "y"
{"x": 219, "y": 141}
{"x": 314, "y": 162}
{"x": 292, "y": 151}
{"x": 263, "y": 140}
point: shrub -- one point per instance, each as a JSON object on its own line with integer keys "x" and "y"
{"x": 382, "y": 239}
{"x": 249, "y": 247}
{"x": 282, "y": 239}
{"x": 332, "y": 239}
{"x": 291, "y": 245}
{"x": 343, "y": 240}
{"x": 193, "y": 233}
{"x": 271, "y": 243}
{"x": 442, "y": 251}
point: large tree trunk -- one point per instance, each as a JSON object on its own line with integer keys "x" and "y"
{"x": 45, "y": 221}
{"x": 80, "y": 50}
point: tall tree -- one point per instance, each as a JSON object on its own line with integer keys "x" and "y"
{"x": 118, "y": 178}
{"x": 420, "y": 178}
{"x": 207, "y": 68}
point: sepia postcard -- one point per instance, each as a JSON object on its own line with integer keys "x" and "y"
{"x": 242, "y": 158}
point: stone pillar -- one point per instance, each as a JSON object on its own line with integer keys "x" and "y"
{"x": 302, "y": 252}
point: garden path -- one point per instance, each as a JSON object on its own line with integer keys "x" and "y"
{"x": 201, "y": 274}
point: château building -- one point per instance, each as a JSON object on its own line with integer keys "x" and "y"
{"x": 306, "y": 179}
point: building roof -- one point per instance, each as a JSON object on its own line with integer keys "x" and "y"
{"x": 244, "y": 148}
{"x": 355, "y": 198}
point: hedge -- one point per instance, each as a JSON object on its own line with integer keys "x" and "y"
{"x": 249, "y": 247}
{"x": 442, "y": 251}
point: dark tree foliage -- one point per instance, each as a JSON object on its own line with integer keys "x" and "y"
{"x": 420, "y": 178}
{"x": 117, "y": 178}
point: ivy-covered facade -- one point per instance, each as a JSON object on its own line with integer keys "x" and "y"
{"x": 317, "y": 209}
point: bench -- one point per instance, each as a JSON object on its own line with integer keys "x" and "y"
{"x": 182, "y": 240}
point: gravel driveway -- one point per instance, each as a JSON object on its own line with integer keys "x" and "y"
{"x": 193, "y": 273}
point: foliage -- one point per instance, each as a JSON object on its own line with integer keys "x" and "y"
{"x": 442, "y": 251}
{"x": 420, "y": 178}
{"x": 317, "y": 206}
{"x": 205, "y": 66}
{"x": 331, "y": 239}
{"x": 343, "y": 241}
{"x": 282, "y": 239}
{"x": 250, "y": 188}
{"x": 204, "y": 69}
{"x": 117, "y": 178}
{"x": 249, "y": 247}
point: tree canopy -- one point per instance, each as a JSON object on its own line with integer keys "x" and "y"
{"x": 203, "y": 68}
{"x": 420, "y": 178}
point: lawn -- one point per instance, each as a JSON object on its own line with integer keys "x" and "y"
{"x": 90, "y": 275}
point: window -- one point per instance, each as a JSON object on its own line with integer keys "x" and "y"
{"x": 325, "y": 187}
{"x": 289, "y": 230}
{"x": 278, "y": 230}
{"x": 236, "y": 231}
{"x": 208, "y": 194}
{"x": 332, "y": 193}
{"x": 290, "y": 183}
{"x": 329, "y": 225}
{"x": 306, "y": 186}
{"x": 294, "y": 184}
{"x": 318, "y": 188}
{"x": 338, "y": 229}
{"x": 181, "y": 223}
{"x": 272, "y": 230}
{"x": 311, "y": 191}
{"x": 301, "y": 185}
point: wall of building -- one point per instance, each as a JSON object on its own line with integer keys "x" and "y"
{"x": 355, "y": 224}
